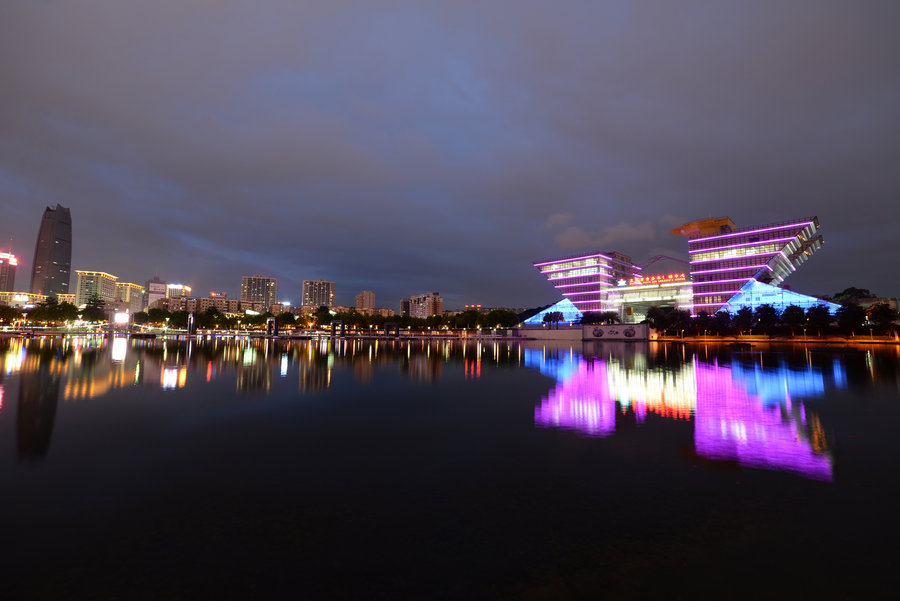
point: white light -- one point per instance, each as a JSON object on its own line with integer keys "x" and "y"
{"x": 120, "y": 318}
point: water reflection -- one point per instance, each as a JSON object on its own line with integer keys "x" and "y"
{"x": 756, "y": 409}
{"x": 754, "y": 413}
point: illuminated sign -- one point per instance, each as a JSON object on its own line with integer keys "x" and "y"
{"x": 663, "y": 278}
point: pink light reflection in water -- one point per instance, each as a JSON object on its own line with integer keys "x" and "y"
{"x": 580, "y": 402}
{"x": 731, "y": 424}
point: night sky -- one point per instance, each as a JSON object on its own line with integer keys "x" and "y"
{"x": 407, "y": 147}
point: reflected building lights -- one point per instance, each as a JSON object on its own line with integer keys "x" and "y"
{"x": 745, "y": 413}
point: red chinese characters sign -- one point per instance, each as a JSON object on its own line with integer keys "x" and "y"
{"x": 663, "y": 278}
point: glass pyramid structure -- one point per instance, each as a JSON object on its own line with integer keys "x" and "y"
{"x": 755, "y": 293}
{"x": 565, "y": 306}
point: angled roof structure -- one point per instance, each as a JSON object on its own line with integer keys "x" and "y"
{"x": 755, "y": 293}
{"x": 565, "y": 306}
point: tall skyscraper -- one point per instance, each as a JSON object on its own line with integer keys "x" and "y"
{"x": 50, "y": 273}
{"x": 365, "y": 301}
{"x": 133, "y": 294}
{"x": 94, "y": 283}
{"x": 318, "y": 293}
{"x": 259, "y": 289}
{"x": 8, "y": 264}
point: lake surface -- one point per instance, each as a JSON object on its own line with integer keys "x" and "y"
{"x": 446, "y": 470}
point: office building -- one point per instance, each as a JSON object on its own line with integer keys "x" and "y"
{"x": 724, "y": 258}
{"x": 177, "y": 291}
{"x": 94, "y": 283}
{"x": 259, "y": 289}
{"x": 365, "y": 302}
{"x": 426, "y": 305}
{"x": 8, "y": 263}
{"x": 131, "y": 296}
{"x": 318, "y": 293}
{"x": 154, "y": 290}
{"x": 50, "y": 273}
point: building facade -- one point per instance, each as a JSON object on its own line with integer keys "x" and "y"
{"x": 94, "y": 283}
{"x": 131, "y": 295}
{"x": 177, "y": 291}
{"x": 426, "y": 305}
{"x": 318, "y": 293}
{"x": 365, "y": 302}
{"x": 154, "y": 290}
{"x": 259, "y": 289}
{"x": 728, "y": 268}
{"x": 724, "y": 258}
{"x": 8, "y": 263}
{"x": 51, "y": 270}
{"x": 587, "y": 279}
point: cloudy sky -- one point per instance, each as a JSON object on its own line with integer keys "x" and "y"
{"x": 444, "y": 146}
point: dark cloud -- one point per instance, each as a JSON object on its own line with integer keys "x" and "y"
{"x": 408, "y": 146}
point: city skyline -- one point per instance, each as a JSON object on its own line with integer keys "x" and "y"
{"x": 402, "y": 148}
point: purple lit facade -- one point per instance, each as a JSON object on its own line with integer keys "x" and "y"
{"x": 587, "y": 279}
{"x": 721, "y": 264}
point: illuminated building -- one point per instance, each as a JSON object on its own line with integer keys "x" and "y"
{"x": 724, "y": 258}
{"x": 130, "y": 294}
{"x": 318, "y": 293}
{"x": 177, "y": 290}
{"x": 50, "y": 273}
{"x": 426, "y": 305}
{"x": 154, "y": 290}
{"x": 365, "y": 302}
{"x": 66, "y": 298}
{"x": 586, "y": 279}
{"x": 259, "y": 289}
{"x": 94, "y": 283}
{"x": 8, "y": 263}
{"x": 21, "y": 299}
{"x": 729, "y": 268}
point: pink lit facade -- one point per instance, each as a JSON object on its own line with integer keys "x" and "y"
{"x": 722, "y": 263}
{"x": 587, "y": 279}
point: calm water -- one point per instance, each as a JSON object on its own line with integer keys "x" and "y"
{"x": 166, "y": 469}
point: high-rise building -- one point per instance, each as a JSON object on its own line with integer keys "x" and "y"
{"x": 365, "y": 301}
{"x": 94, "y": 283}
{"x": 177, "y": 290}
{"x": 130, "y": 294}
{"x": 725, "y": 258}
{"x": 318, "y": 293}
{"x": 154, "y": 290}
{"x": 259, "y": 289}
{"x": 8, "y": 263}
{"x": 50, "y": 272}
{"x": 426, "y": 305}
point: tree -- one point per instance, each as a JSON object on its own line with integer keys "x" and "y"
{"x": 8, "y": 314}
{"x": 883, "y": 317}
{"x": 554, "y": 317}
{"x": 743, "y": 320}
{"x": 94, "y": 309}
{"x": 766, "y": 317}
{"x": 678, "y": 320}
{"x": 656, "y": 318}
{"x": 604, "y": 317}
{"x": 852, "y": 294}
{"x": 323, "y": 316}
{"x": 286, "y": 319}
{"x": 793, "y": 317}
{"x": 721, "y": 322}
{"x": 819, "y": 318}
{"x": 850, "y": 318}
{"x": 499, "y": 318}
